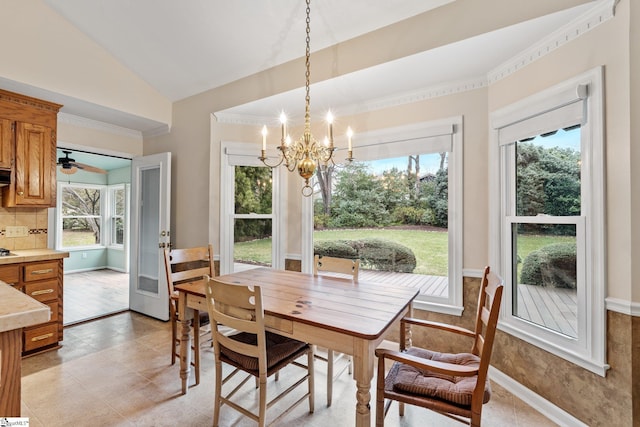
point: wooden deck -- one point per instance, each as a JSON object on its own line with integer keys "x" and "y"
{"x": 554, "y": 308}
{"x": 436, "y": 286}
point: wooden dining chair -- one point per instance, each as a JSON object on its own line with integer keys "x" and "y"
{"x": 342, "y": 267}
{"x": 455, "y": 385}
{"x": 251, "y": 349}
{"x": 183, "y": 266}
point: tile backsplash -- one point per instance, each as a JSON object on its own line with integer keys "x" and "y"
{"x": 35, "y": 219}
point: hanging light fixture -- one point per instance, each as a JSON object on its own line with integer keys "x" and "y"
{"x": 305, "y": 154}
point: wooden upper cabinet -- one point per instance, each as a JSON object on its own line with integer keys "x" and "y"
{"x": 28, "y": 146}
{"x": 6, "y": 143}
{"x": 35, "y": 160}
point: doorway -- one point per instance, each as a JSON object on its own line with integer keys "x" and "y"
{"x": 91, "y": 222}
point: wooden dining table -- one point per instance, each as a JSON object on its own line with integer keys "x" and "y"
{"x": 330, "y": 312}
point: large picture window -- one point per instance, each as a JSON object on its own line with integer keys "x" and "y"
{"x": 548, "y": 232}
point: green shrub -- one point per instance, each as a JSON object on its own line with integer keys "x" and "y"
{"x": 378, "y": 254}
{"x": 335, "y": 248}
{"x": 552, "y": 265}
{"x": 408, "y": 215}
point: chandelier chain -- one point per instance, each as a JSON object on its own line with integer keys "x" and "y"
{"x": 307, "y": 99}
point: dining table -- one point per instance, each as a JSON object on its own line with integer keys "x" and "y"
{"x": 346, "y": 316}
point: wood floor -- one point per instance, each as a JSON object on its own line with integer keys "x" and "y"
{"x": 92, "y": 294}
{"x": 555, "y": 308}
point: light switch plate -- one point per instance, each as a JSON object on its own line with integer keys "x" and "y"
{"x": 16, "y": 231}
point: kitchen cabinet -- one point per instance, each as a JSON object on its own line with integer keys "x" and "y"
{"x": 28, "y": 147}
{"x": 42, "y": 281}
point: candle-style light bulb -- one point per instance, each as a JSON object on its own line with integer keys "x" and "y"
{"x": 349, "y": 135}
{"x": 330, "y": 127}
{"x": 264, "y": 137}
{"x": 283, "y": 122}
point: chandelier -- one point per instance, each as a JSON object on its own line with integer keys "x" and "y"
{"x": 305, "y": 154}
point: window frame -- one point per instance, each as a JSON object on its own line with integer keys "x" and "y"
{"x": 59, "y": 234}
{"x": 425, "y": 137}
{"x": 589, "y": 349}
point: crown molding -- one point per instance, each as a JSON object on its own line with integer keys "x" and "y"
{"x": 84, "y": 122}
{"x": 602, "y": 12}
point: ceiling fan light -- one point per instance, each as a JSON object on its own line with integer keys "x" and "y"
{"x": 68, "y": 170}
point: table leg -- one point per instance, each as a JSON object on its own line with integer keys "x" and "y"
{"x": 185, "y": 342}
{"x": 363, "y": 374}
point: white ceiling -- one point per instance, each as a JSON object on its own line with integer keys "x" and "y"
{"x": 177, "y": 46}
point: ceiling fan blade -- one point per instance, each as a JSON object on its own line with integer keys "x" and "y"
{"x": 88, "y": 168}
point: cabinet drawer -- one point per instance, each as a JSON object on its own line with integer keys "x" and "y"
{"x": 40, "y": 336}
{"x": 44, "y": 291}
{"x": 39, "y": 271}
{"x": 10, "y": 274}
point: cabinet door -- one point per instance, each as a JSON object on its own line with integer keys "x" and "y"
{"x": 35, "y": 165}
{"x": 6, "y": 144}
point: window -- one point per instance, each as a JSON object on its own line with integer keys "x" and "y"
{"x": 249, "y": 222}
{"x": 117, "y": 205}
{"x": 81, "y": 216}
{"x": 548, "y": 233}
{"x": 393, "y": 208}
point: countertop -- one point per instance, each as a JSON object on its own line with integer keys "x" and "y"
{"x": 18, "y": 310}
{"x": 28, "y": 255}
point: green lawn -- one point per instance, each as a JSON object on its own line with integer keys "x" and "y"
{"x": 77, "y": 238}
{"x": 429, "y": 247}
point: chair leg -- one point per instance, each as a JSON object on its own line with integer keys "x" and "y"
{"x": 401, "y": 409}
{"x": 329, "y": 376}
{"x": 310, "y": 380}
{"x": 262, "y": 414}
{"x": 196, "y": 344}
{"x": 218, "y": 393}
{"x": 174, "y": 338}
{"x": 380, "y": 395}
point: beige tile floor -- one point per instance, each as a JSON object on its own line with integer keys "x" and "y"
{"x": 116, "y": 372}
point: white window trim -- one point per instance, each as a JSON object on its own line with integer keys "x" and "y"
{"x": 589, "y": 350}
{"x": 59, "y": 216}
{"x": 245, "y": 154}
{"x": 423, "y": 134}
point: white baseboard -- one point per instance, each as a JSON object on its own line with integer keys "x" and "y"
{"x": 546, "y": 408}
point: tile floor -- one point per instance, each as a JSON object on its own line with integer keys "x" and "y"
{"x": 116, "y": 372}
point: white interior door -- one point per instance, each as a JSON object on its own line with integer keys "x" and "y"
{"x": 150, "y": 215}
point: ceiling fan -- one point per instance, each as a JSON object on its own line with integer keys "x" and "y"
{"x": 69, "y": 166}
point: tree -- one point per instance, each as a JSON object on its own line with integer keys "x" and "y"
{"x": 81, "y": 206}
{"x": 253, "y": 189}
{"x": 358, "y": 199}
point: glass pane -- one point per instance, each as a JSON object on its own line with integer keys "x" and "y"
{"x": 548, "y": 174}
{"x": 118, "y": 202}
{"x": 118, "y": 231}
{"x": 253, "y": 190}
{"x": 252, "y": 243}
{"x": 392, "y": 214}
{"x": 545, "y": 266}
{"x": 80, "y": 232}
{"x": 148, "y": 262}
{"x": 80, "y": 201}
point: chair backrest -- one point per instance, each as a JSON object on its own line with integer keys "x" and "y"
{"x": 238, "y": 307}
{"x": 346, "y": 266}
{"x": 489, "y": 301}
{"x": 187, "y": 265}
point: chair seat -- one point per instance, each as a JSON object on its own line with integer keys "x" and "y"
{"x": 458, "y": 390}
{"x": 280, "y": 350}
